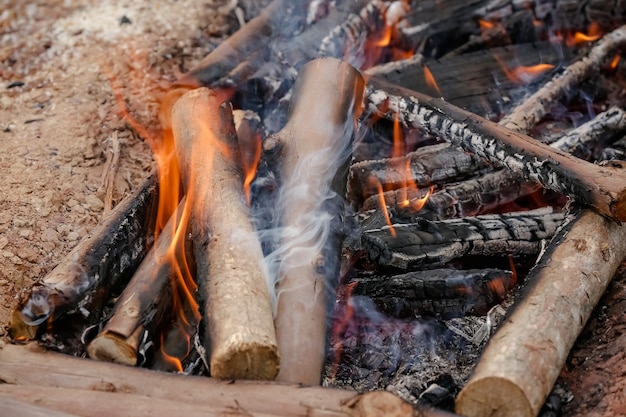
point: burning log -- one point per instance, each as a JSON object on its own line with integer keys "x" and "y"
{"x": 601, "y": 187}
{"x": 239, "y": 320}
{"x": 25, "y": 371}
{"x": 534, "y": 108}
{"x": 313, "y": 152}
{"x": 583, "y": 140}
{"x": 493, "y": 189}
{"x": 435, "y": 164}
{"x": 523, "y": 359}
{"x": 413, "y": 245}
{"x": 146, "y": 298}
{"x": 443, "y": 292}
{"x": 104, "y": 260}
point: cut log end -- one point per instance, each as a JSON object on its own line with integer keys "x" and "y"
{"x": 493, "y": 397}
{"x": 111, "y": 347}
{"x": 253, "y": 361}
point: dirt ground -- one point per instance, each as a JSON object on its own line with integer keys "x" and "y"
{"x": 59, "y": 63}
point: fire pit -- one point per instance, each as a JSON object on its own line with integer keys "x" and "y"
{"x": 420, "y": 221}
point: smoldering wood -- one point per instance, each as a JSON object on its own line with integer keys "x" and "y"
{"x": 246, "y": 46}
{"x": 103, "y": 261}
{"x": 429, "y": 165}
{"x": 523, "y": 359}
{"x": 445, "y": 293}
{"x": 536, "y": 106}
{"x": 476, "y": 81}
{"x": 587, "y": 139}
{"x": 466, "y": 198}
{"x": 433, "y": 243}
{"x": 143, "y": 304}
{"x": 239, "y": 321}
{"x": 313, "y": 160}
{"x": 603, "y": 188}
{"x": 30, "y": 367}
{"x": 281, "y": 27}
{"x": 491, "y": 190}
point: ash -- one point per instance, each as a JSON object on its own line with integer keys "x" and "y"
{"x": 423, "y": 359}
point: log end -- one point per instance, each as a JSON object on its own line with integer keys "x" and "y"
{"x": 378, "y": 404}
{"x": 252, "y": 360}
{"x": 493, "y": 397}
{"x": 110, "y": 347}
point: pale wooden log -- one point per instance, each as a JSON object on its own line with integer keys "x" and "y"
{"x": 104, "y": 259}
{"x": 601, "y": 187}
{"x": 11, "y": 407}
{"x": 145, "y": 299}
{"x": 314, "y": 150}
{"x": 523, "y": 359}
{"x": 228, "y": 255}
{"x": 32, "y": 366}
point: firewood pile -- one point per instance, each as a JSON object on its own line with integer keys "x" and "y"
{"x": 356, "y": 194}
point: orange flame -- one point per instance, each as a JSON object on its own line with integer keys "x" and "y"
{"x": 594, "y": 32}
{"x": 485, "y": 24}
{"x": 523, "y": 74}
{"x": 382, "y": 41}
{"x": 383, "y": 205}
{"x": 615, "y": 61}
{"x": 250, "y": 162}
{"x": 430, "y": 80}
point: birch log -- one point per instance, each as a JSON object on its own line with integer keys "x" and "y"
{"x": 523, "y": 359}
{"x": 314, "y": 149}
{"x": 228, "y": 255}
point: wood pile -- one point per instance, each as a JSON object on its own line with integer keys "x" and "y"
{"x": 371, "y": 187}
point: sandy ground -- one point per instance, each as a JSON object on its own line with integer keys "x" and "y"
{"x": 58, "y": 113}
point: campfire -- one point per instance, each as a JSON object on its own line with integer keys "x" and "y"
{"x": 346, "y": 191}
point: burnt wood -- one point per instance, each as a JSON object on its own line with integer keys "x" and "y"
{"x": 102, "y": 262}
{"x": 445, "y": 293}
{"x": 434, "y": 243}
{"x": 429, "y": 165}
{"x": 601, "y": 187}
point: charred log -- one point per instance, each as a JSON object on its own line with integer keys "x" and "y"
{"x": 427, "y": 243}
{"x": 597, "y": 186}
{"x": 442, "y": 292}
{"x": 435, "y": 164}
{"x": 101, "y": 263}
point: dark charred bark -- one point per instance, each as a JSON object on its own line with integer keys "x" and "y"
{"x": 101, "y": 263}
{"x": 601, "y": 187}
{"x": 431, "y": 244}
{"x": 430, "y": 165}
{"x": 443, "y": 292}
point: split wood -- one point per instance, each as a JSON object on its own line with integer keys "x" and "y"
{"x": 312, "y": 152}
{"x": 105, "y": 259}
{"x": 239, "y": 322}
{"x": 523, "y": 359}
{"x": 145, "y": 300}
{"x": 87, "y": 388}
